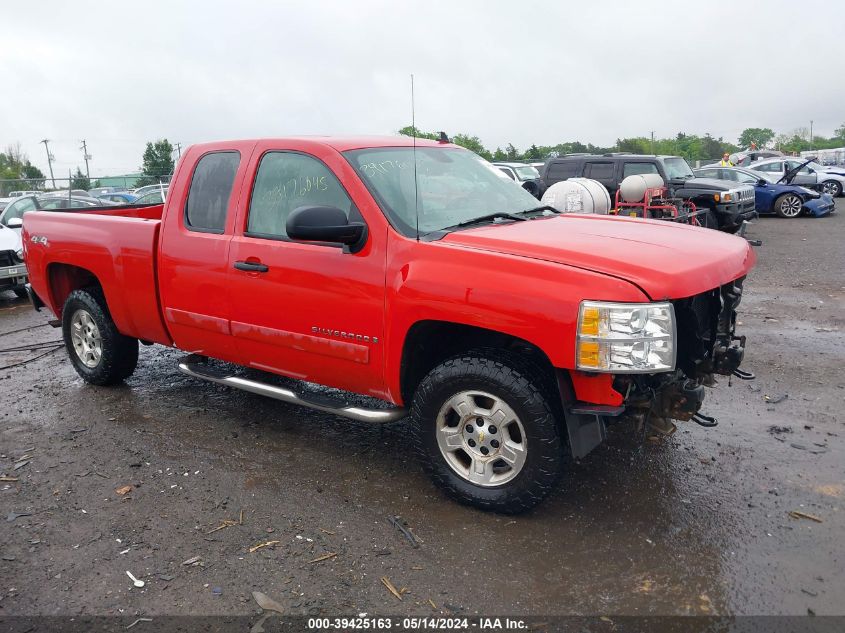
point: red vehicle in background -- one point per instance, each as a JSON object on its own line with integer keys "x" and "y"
{"x": 416, "y": 280}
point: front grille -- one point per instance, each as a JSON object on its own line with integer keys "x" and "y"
{"x": 7, "y": 258}
{"x": 704, "y": 322}
{"x": 745, "y": 194}
{"x": 696, "y": 320}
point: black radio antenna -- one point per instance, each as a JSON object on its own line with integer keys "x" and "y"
{"x": 416, "y": 188}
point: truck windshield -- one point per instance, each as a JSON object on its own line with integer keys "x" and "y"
{"x": 451, "y": 186}
{"x": 677, "y": 168}
{"x": 527, "y": 173}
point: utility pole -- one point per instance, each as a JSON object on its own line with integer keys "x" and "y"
{"x": 178, "y": 150}
{"x": 49, "y": 160}
{"x": 811, "y": 134}
{"x": 87, "y": 157}
{"x": 652, "y": 141}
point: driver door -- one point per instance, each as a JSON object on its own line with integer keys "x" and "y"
{"x": 311, "y": 311}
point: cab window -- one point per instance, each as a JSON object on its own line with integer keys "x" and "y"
{"x": 286, "y": 181}
{"x": 17, "y": 209}
{"x": 707, "y": 173}
{"x": 599, "y": 171}
{"x": 633, "y": 169}
{"x": 211, "y": 187}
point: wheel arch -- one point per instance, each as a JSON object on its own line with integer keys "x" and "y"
{"x": 62, "y": 279}
{"x": 430, "y": 342}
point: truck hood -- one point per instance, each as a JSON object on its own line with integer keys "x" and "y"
{"x": 703, "y": 183}
{"x": 10, "y": 240}
{"x": 664, "y": 259}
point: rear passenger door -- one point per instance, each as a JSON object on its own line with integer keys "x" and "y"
{"x": 603, "y": 171}
{"x": 194, "y": 250}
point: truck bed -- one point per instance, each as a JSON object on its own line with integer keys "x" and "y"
{"x": 116, "y": 245}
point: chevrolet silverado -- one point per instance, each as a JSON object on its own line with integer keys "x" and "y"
{"x": 413, "y": 283}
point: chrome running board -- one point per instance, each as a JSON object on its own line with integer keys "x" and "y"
{"x": 195, "y": 366}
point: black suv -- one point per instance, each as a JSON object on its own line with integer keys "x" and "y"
{"x": 729, "y": 204}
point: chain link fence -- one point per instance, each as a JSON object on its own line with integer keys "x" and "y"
{"x": 14, "y": 187}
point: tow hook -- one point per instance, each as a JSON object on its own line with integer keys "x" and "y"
{"x": 704, "y": 420}
{"x": 741, "y": 233}
{"x": 744, "y": 375}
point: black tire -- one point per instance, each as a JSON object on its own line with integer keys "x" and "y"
{"x": 20, "y": 293}
{"x": 788, "y": 205}
{"x": 833, "y": 187}
{"x": 118, "y": 353}
{"x": 515, "y": 383}
{"x": 532, "y": 187}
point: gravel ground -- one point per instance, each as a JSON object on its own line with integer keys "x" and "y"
{"x": 207, "y": 494}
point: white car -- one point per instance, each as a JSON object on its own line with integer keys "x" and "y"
{"x": 826, "y": 179}
{"x": 525, "y": 175}
{"x": 12, "y": 269}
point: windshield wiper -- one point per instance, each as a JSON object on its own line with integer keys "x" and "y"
{"x": 501, "y": 215}
{"x": 543, "y": 207}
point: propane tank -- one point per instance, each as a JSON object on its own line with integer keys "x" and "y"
{"x": 633, "y": 188}
{"x": 578, "y": 195}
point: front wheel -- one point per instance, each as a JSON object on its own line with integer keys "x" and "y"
{"x": 832, "y": 187}
{"x": 100, "y": 354}
{"x": 486, "y": 433}
{"x": 789, "y": 205}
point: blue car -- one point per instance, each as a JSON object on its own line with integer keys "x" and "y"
{"x": 787, "y": 201}
{"x": 120, "y": 197}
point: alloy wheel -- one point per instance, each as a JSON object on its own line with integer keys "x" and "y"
{"x": 86, "y": 339}
{"x": 481, "y": 438}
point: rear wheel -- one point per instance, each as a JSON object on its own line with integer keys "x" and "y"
{"x": 789, "y": 205}
{"x": 486, "y": 432}
{"x": 100, "y": 354}
{"x": 832, "y": 187}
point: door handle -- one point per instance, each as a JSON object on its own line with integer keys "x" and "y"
{"x": 252, "y": 267}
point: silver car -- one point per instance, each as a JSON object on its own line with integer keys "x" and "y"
{"x": 812, "y": 174}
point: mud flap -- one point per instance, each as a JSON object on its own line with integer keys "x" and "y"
{"x": 584, "y": 430}
{"x": 585, "y": 433}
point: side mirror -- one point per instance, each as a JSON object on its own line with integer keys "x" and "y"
{"x": 326, "y": 224}
{"x": 762, "y": 182}
{"x": 14, "y": 223}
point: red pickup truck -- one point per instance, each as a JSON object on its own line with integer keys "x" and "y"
{"x": 414, "y": 277}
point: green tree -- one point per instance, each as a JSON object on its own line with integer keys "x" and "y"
{"x": 410, "y": 130}
{"x": 511, "y": 152}
{"x": 499, "y": 154}
{"x": 15, "y": 167}
{"x": 472, "y": 143}
{"x": 80, "y": 181}
{"x": 839, "y": 133}
{"x": 533, "y": 153}
{"x": 158, "y": 162}
{"x": 760, "y": 137}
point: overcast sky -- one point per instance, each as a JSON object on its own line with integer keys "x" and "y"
{"x": 120, "y": 73}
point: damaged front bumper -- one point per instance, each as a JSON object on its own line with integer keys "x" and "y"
{"x": 707, "y": 347}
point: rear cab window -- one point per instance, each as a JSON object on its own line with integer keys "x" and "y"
{"x": 211, "y": 187}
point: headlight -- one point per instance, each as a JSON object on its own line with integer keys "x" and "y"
{"x": 625, "y": 337}
{"x": 810, "y": 192}
{"x": 723, "y": 197}
{"x": 19, "y": 254}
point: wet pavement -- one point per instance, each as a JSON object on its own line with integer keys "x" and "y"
{"x": 696, "y": 524}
